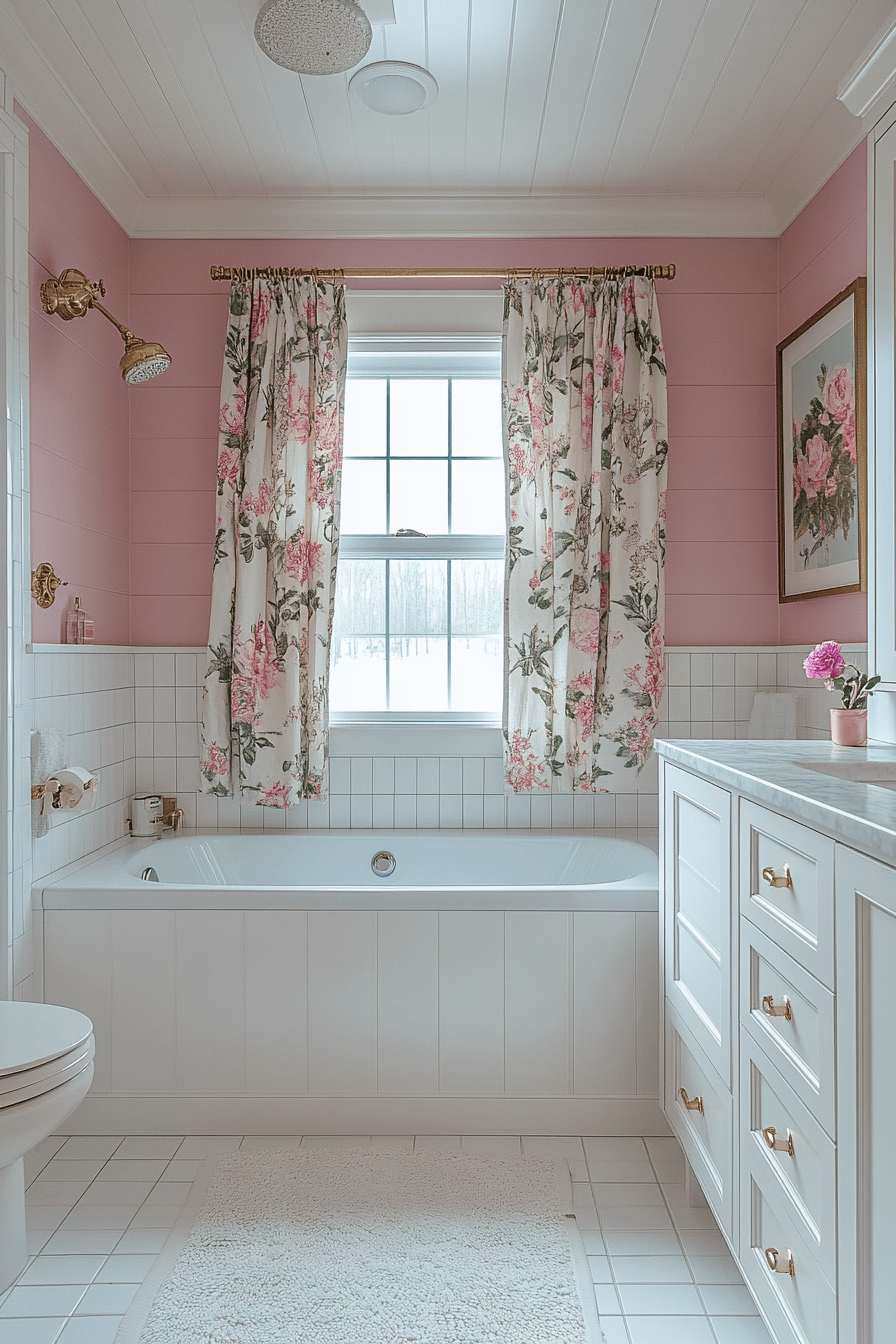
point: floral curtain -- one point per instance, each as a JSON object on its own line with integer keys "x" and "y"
{"x": 584, "y": 391}
{"x": 264, "y": 715}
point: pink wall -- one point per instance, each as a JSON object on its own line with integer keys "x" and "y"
{"x": 80, "y": 483}
{"x": 822, "y": 252}
{"x": 123, "y": 480}
{"x": 718, "y": 321}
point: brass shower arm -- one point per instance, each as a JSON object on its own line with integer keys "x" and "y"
{"x": 127, "y": 335}
{"x": 71, "y": 295}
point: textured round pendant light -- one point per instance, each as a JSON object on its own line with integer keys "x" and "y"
{"x": 394, "y": 88}
{"x": 313, "y": 37}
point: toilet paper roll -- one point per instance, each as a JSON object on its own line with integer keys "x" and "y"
{"x": 79, "y": 789}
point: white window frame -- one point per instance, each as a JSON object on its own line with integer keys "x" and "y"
{"x": 440, "y": 355}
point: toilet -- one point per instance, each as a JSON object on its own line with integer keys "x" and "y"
{"x": 46, "y": 1066}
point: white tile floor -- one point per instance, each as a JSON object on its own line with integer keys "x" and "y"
{"x": 99, "y": 1209}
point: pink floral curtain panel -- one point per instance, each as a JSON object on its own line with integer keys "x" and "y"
{"x": 264, "y": 716}
{"x": 585, "y": 436}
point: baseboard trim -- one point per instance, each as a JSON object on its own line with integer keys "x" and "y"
{"x": 598, "y": 1116}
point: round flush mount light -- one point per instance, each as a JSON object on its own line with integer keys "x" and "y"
{"x": 393, "y": 88}
{"x": 313, "y": 37}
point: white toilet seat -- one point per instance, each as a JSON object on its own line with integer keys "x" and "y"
{"x": 42, "y": 1046}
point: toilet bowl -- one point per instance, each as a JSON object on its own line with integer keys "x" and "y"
{"x": 46, "y": 1067}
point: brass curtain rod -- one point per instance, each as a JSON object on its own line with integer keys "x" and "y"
{"x": 437, "y": 272}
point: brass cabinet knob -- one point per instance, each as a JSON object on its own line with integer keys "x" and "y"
{"x": 772, "y": 1009}
{"x": 774, "y": 878}
{"x": 770, "y": 1134}
{"x": 695, "y": 1104}
{"x": 778, "y": 1263}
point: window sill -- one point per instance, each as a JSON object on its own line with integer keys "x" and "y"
{"x": 415, "y": 739}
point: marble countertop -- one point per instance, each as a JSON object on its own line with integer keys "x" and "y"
{"x": 774, "y": 774}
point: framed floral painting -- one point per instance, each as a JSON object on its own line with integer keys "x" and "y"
{"x": 821, "y": 451}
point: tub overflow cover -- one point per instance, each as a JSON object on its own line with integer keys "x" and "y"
{"x": 149, "y": 875}
{"x": 383, "y": 863}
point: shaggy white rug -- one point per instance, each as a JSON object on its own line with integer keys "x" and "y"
{"x": 358, "y": 1246}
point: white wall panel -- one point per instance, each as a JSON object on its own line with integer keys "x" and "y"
{"x": 210, "y": 1001}
{"x": 537, "y": 1002}
{"x": 342, "y": 1001}
{"x": 471, "y": 1002}
{"x": 604, "y": 1023}
{"x": 143, "y": 1001}
{"x": 408, "y": 1001}
{"x": 77, "y": 956}
{"x": 277, "y": 1001}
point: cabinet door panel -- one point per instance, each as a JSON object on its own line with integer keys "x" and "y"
{"x": 702, "y": 1119}
{"x": 696, "y": 872}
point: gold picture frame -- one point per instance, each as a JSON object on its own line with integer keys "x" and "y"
{"x": 822, "y": 502}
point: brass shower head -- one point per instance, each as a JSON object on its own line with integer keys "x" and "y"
{"x": 72, "y": 294}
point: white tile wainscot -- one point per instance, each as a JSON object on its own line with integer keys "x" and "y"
{"x": 787, "y": 1118}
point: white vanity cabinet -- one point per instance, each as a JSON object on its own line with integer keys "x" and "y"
{"x": 779, "y": 1048}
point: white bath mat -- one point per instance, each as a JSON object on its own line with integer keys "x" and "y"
{"x": 356, "y": 1246}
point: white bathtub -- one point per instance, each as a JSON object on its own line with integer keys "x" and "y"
{"x": 496, "y": 983}
{"x": 333, "y": 870}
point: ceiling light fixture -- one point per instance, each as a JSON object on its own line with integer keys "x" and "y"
{"x": 313, "y": 37}
{"x": 394, "y": 88}
{"x": 72, "y": 294}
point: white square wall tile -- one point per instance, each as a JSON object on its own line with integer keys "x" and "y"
{"x": 473, "y": 774}
{"x": 362, "y": 774}
{"x": 406, "y": 775}
{"x": 701, "y": 669}
{"x": 427, "y": 774}
{"x": 383, "y": 775}
{"x": 427, "y": 811}
{"x": 723, "y": 669}
{"x": 678, "y": 669}
{"x": 451, "y": 775}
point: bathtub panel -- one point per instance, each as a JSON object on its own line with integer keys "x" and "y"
{"x": 77, "y": 951}
{"x": 471, "y": 1002}
{"x": 408, "y": 1001}
{"x": 342, "y": 1001}
{"x": 143, "y": 1001}
{"x": 647, "y": 1004}
{"x": 210, "y": 1001}
{"x": 537, "y": 1003}
{"x": 604, "y": 1024}
{"x": 277, "y": 1001}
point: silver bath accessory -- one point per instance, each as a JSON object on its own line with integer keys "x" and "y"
{"x": 383, "y": 863}
{"x": 149, "y": 874}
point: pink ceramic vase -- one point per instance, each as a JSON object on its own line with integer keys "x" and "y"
{"x": 849, "y": 727}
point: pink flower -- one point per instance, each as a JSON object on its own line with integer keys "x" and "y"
{"x": 276, "y": 796}
{"x": 839, "y": 394}
{"x": 577, "y": 297}
{"x": 259, "y": 504}
{"x": 242, "y": 700}
{"x": 819, "y": 457}
{"x": 233, "y": 421}
{"x": 534, "y": 583}
{"x": 584, "y": 712}
{"x": 801, "y": 478}
{"x": 229, "y": 462}
{"x": 848, "y": 432}
{"x": 524, "y": 771}
{"x": 216, "y": 761}
{"x": 258, "y": 656}
{"x": 628, "y": 298}
{"x": 261, "y": 307}
{"x": 547, "y": 546}
{"x": 296, "y": 403}
{"x": 587, "y": 404}
{"x": 825, "y": 661}
{"x": 831, "y": 485}
{"x": 586, "y": 624}
{"x": 302, "y": 558}
{"x": 522, "y": 462}
{"x": 618, "y": 369}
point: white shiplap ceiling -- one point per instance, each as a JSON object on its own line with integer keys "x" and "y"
{"x": 555, "y": 117}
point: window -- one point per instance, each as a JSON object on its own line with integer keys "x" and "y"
{"x": 418, "y": 625}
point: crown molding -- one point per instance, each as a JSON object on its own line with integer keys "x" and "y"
{"x": 455, "y": 217}
{"x": 869, "y": 87}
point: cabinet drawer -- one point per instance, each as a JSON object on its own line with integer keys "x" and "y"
{"x": 799, "y": 915}
{"x": 791, "y": 1015}
{"x": 697, "y": 902}
{"x": 705, "y": 1128}
{"x": 803, "y": 1160}
{"x": 800, "y": 1307}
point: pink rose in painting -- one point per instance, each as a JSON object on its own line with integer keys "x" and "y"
{"x": 302, "y": 558}
{"x": 819, "y": 458}
{"x": 802, "y": 478}
{"x": 233, "y": 418}
{"x": 215, "y": 761}
{"x": 839, "y": 393}
{"x": 833, "y": 481}
{"x": 242, "y": 700}
{"x": 229, "y": 462}
{"x": 261, "y": 307}
{"x": 825, "y": 661}
{"x": 848, "y": 433}
{"x": 586, "y": 630}
{"x": 276, "y": 796}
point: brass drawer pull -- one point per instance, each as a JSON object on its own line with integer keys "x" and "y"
{"x": 773, "y": 1260}
{"x": 771, "y": 1009}
{"x": 778, "y": 879}
{"x": 770, "y": 1134}
{"x": 689, "y": 1105}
